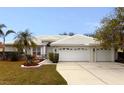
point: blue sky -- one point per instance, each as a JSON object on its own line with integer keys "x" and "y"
{"x": 52, "y": 21}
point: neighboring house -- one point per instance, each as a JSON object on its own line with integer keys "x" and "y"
{"x": 1, "y": 46}
{"x": 70, "y": 48}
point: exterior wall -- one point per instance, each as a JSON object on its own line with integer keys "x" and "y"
{"x": 10, "y": 49}
{"x": 48, "y": 50}
{"x": 92, "y": 54}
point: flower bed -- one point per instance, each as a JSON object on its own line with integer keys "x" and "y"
{"x": 32, "y": 65}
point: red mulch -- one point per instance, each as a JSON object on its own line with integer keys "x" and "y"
{"x": 30, "y": 64}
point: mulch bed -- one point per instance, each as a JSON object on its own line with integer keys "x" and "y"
{"x": 31, "y": 64}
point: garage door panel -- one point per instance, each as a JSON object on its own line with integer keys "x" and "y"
{"x": 103, "y": 55}
{"x": 74, "y": 55}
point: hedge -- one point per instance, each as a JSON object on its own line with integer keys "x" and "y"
{"x": 54, "y": 57}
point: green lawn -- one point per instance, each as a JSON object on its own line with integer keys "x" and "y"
{"x": 12, "y": 74}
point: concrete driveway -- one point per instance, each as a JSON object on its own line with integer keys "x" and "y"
{"x": 102, "y": 73}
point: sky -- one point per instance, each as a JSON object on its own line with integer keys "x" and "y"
{"x": 53, "y": 20}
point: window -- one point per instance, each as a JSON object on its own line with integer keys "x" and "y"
{"x": 67, "y": 48}
{"x": 34, "y": 49}
{"x": 37, "y": 51}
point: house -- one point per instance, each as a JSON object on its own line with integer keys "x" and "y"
{"x": 70, "y": 48}
{"x": 1, "y": 46}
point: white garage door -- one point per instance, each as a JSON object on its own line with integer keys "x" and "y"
{"x": 74, "y": 54}
{"x": 103, "y": 54}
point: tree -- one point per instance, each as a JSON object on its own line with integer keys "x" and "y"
{"x": 111, "y": 32}
{"x": 24, "y": 41}
{"x": 4, "y": 35}
{"x": 89, "y": 34}
{"x": 69, "y": 34}
{"x": 63, "y": 33}
{"x": 120, "y": 16}
{"x": 108, "y": 34}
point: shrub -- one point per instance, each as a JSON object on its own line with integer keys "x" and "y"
{"x": 51, "y": 56}
{"x": 14, "y": 56}
{"x": 54, "y": 57}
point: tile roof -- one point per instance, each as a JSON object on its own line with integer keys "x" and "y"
{"x": 76, "y": 40}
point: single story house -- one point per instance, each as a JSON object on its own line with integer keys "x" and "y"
{"x": 70, "y": 48}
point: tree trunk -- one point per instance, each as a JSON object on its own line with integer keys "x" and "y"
{"x": 28, "y": 57}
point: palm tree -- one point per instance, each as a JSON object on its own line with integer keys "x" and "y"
{"x": 24, "y": 41}
{"x": 3, "y": 35}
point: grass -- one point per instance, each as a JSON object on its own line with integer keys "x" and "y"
{"x": 12, "y": 74}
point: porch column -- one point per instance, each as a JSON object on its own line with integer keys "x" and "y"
{"x": 44, "y": 51}
{"x": 41, "y": 50}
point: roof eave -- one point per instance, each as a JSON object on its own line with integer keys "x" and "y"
{"x": 90, "y": 44}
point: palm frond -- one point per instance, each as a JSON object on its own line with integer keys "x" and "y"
{"x": 2, "y": 26}
{"x": 1, "y": 33}
{"x": 24, "y": 40}
{"x": 9, "y": 31}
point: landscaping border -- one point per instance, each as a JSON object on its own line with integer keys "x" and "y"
{"x": 37, "y": 66}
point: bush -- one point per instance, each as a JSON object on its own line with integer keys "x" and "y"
{"x": 51, "y": 56}
{"x": 14, "y": 56}
{"x": 54, "y": 57}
